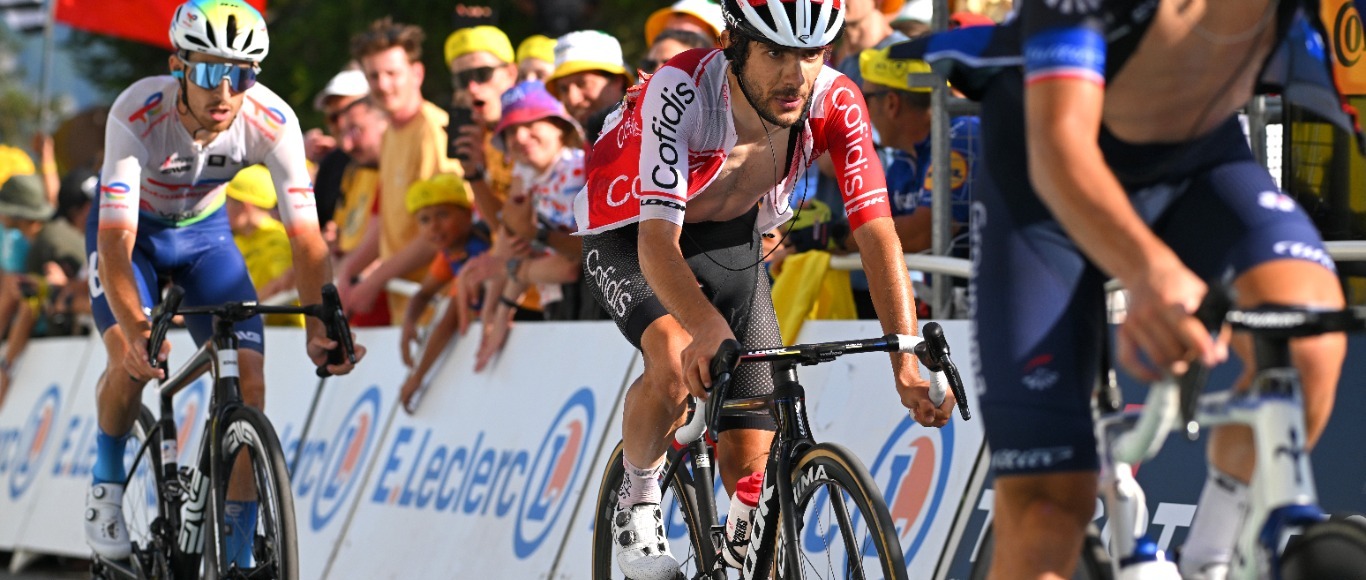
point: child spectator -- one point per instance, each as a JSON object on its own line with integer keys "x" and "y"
{"x": 261, "y": 238}
{"x": 535, "y": 58}
{"x": 441, "y": 207}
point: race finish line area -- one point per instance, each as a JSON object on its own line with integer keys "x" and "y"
{"x": 496, "y": 473}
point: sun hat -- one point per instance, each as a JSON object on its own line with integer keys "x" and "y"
{"x": 13, "y": 161}
{"x": 347, "y": 83}
{"x": 530, "y": 101}
{"x": 704, "y": 10}
{"x": 890, "y": 7}
{"x": 438, "y": 189}
{"x": 917, "y": 10}
{"x": 536, "y": 46}
{"x": 587, "y": 50}
{"x": 253, "y": 185}
{"x": 877, "y": 66}
{"x": 479, "y": 38}
{"x": 23, "y": 197}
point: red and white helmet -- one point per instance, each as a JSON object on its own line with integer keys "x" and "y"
{"x": 790, "y": 23}
{"x": 227, "y": 28}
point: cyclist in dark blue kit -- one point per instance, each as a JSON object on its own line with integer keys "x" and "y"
{"x": 1122, "y": 114}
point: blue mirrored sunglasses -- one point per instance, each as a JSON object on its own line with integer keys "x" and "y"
{"x": 210, "y": 74}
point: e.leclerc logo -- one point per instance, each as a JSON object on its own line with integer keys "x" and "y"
{"x": 479, "y": 479}
{"x": 346, "y": 455}
{"x": 31, "y": 443}
{"x": 189, "y": 411}
{"x": 913, "y": 470}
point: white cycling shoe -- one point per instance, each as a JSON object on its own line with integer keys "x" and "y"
{"x": 639, "y": 544}
{"x": 105, "y": 529}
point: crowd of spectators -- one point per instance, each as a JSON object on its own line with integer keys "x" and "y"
{"x": 472, "y": 199}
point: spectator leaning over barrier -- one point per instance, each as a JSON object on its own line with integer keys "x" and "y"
{"x": 589, "y": 78}
{"x": 361, "y": 127}
{"x": 345, "y": 88}
{"x": 702, "y": 17}
{"x": 261, "y": 238}
{"x": 669, "y": 43}
{"x": 441, "y": 206}
{"x": 535, "y": 243}
{"x": 535, "y": 58}
{"x": 23, "y": 210}
{"x": 482, "y": 68}
{"x": 59, "y": 252}
{"x": 413, "y": 149}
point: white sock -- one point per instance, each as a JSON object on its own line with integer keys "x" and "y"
{"x": 1218, "y": 516}
{"x": 640, "y": 485}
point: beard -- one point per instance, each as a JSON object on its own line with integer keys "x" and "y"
{"x": 765, "y": 108}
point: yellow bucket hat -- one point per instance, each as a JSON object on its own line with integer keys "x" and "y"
{"x": 13, "y": 161}
{"x": 536, "y": 46}
{"x": 476, "y": 38}
{"x": 441, "y": 188}
{"x": 253, "y": 185}
{"x": 877, "y": 66}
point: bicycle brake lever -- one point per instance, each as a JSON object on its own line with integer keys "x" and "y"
{"x": 161, "y": 319}
{"x": 338, "y": 329}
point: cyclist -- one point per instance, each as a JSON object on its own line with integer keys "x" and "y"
{"x": 172, "y": 143}
{"x": 695, "y": 165}
{"x": 1106, "y": 160}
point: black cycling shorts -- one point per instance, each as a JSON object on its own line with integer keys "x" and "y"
{"x": 726, "y": 259}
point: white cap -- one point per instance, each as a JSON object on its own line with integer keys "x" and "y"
{"x": 921, "y": 10}
{"x": 347, "y": 83}
{"x": 587, "y": 50}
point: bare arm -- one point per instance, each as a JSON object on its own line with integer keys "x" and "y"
{"x": 417, "y": 253}
{"x": 115, "y": 249}
{"x": 363, "y": 254}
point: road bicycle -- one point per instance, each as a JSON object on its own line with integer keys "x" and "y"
{"x": 176, "y": 513}
{"x": 819, "y": 495}
{"x": 1284, "y": 533}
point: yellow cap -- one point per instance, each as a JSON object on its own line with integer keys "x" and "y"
{"x": 877, "y": 67}
{"x": 536, "y": 46}
{"x": 13, "y": 161}
{"x": 253, "y": 185}
{"x": 477, "y": 38}
{"x": 441, "y": 188}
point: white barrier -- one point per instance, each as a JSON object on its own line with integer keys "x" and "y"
{"x": 497, "y": 473}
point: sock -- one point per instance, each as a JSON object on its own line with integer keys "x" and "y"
{"x": 640, "y": 485}
{"x": 1218, "y": 516}
{"x": 109, "y": 450}
{"x": 241, "y": 519}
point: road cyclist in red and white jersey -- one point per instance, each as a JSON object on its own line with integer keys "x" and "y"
{"x": 696, "y": 165}
{"x": 172, "y": 143}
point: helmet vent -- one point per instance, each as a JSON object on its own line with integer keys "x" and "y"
{"x": 208, "y": 29}
{"x": 231, "y": 29}
{"x": 197, "y": 40}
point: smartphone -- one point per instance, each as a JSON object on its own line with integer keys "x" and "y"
{"x": 459, "y": 117}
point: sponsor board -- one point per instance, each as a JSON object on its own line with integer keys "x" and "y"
{"x": 41, "y": 443}
{"x": 491, "y": 462}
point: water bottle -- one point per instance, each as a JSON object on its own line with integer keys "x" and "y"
{"x": 741, "y": 517}
{"x": 192, "y": 510}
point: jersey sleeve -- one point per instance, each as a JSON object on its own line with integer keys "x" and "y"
{"x": 670, "y": 109}
{"x": 1063, "y": 39}
{"x": 849, "y": 138}
{"x": 120, "y": 175}
{"x": 293, "y": 186}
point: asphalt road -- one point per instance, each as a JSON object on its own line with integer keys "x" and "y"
{"x": 46, "y": 569}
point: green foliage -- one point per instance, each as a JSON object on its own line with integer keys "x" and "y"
{"x": 310, "y": 42}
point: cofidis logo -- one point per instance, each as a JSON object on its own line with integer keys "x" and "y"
{"x": 481, "y": 479}
{"x": 340, "y": 459}
{"x": 22, "y": 450}
{"x": 913, "y": 471}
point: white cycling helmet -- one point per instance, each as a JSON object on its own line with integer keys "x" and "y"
{"x": 227, "y": 28}
{"x": 790, "y": 23}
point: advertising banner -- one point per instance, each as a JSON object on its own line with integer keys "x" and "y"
{"x": 40, "y": 438}
{"x": 480, "y": 482}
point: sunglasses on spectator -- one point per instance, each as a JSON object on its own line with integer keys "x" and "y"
{"x": 209, "y": 75}
{"x": 479, "y": 75}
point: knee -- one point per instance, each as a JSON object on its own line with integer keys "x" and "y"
{"x": 662, "y": 346}
{"x": 1064, "y": 501}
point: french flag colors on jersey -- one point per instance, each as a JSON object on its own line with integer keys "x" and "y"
{"x": 671, "y": 137}
{"x": 1067, "y": 52}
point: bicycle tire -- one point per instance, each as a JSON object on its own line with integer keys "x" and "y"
{"x": 678, "y": 501}
{"x": 274, "y": 542}
{"x": 825, "y": 468}
{"x": 141, "y": 499}
{"x": 1093, "y": 564}
{"x": 1333, "y": 548}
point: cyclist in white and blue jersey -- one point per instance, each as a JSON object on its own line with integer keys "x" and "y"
{"x": 1112, "y": 148}
{"x": 171, "y": 145}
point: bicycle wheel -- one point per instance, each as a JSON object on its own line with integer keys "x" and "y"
{"x": 844, "y": 530}
{"x": 1094, "y": 563}
{"x": 274, "y": 552}
{"x": 141, "y": 505}
{"x": 1334, "y": 548}
{"x": 680, "y": 521}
